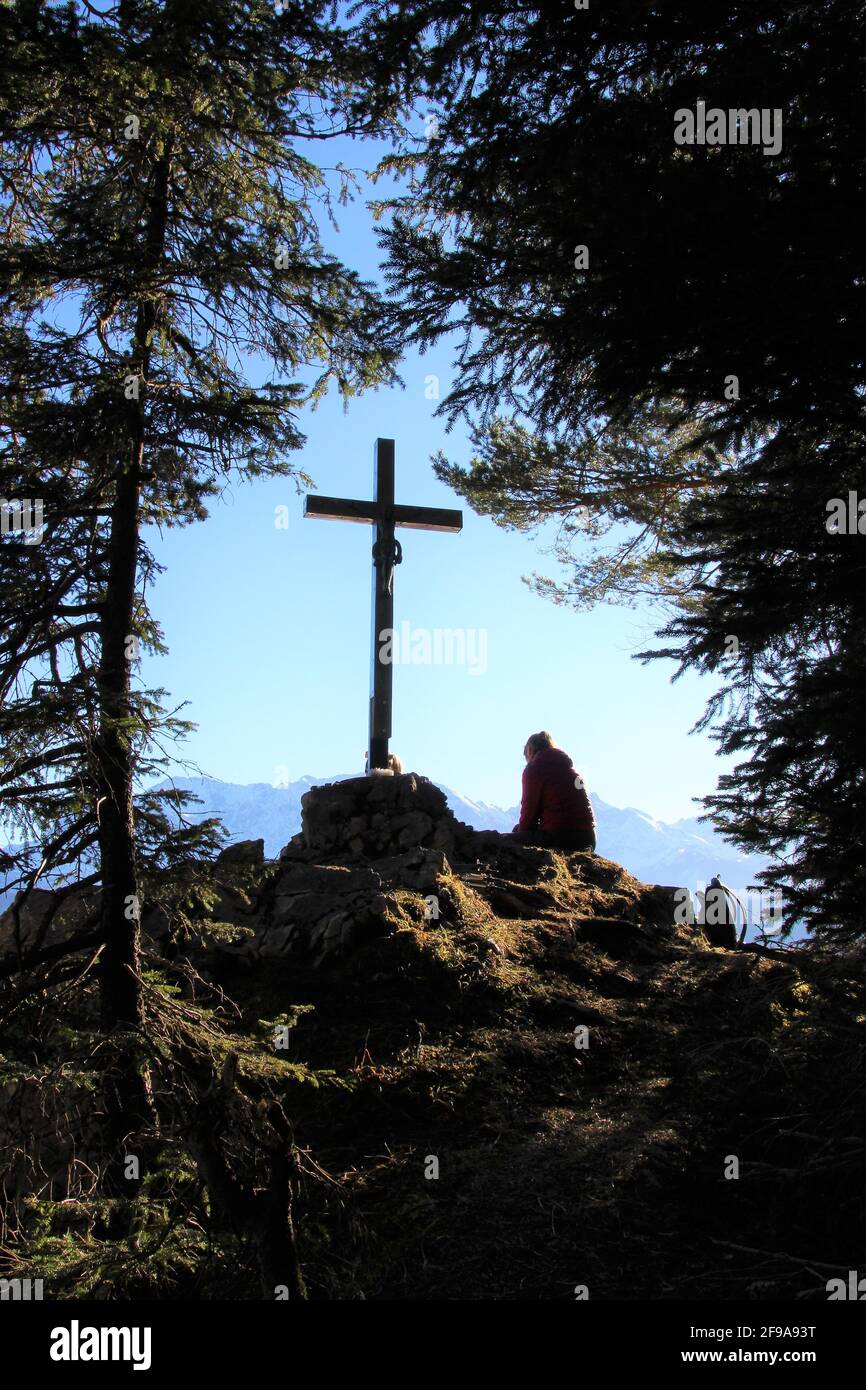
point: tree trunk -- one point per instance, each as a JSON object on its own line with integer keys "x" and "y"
{"x": 119, "y": 965}
{"x": 121, "y": 1002}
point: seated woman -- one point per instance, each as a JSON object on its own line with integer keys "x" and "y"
{"x": 555, "y": 810}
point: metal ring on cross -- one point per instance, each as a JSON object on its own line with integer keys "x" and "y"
{"x": 388, "y": 553}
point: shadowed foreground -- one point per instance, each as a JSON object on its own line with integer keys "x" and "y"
{"x": 456, "y": 1043}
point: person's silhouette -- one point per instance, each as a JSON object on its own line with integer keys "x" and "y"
{"x": 555, "y": 808}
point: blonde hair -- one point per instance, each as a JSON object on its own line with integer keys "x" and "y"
{"x": 536, "y": 742}
{"x": 394, "y": 763}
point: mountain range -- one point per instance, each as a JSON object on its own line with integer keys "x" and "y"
{"x": 686, "y": 852}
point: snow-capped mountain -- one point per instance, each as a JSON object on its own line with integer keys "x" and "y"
{"x": 685, "y": 852}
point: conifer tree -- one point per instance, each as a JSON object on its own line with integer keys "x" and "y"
{"x": 161, "y": 203}
{"x": 667, "y": 332}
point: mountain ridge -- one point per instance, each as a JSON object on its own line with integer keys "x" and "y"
{"x": 681, "y": 852}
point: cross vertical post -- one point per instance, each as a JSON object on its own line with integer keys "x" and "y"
{"x": 385, "y": 556}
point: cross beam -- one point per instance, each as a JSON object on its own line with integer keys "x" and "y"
{"x": 385, "y": 515}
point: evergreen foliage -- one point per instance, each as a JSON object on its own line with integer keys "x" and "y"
{"x": 159, "y": 226}
{"x": 662, "y": 343}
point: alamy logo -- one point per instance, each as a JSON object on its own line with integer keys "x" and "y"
{"x": 736, "y": 126}
{"x": 438, "y": 646}
{"x": 717, "y": 902}
{"x": 21, "y": 1289}
{"x": 22, "y": 516}
{"x": 846, "y": 518}
{"x": 77, "y": 1343}
{"x": 855, "y": 1289}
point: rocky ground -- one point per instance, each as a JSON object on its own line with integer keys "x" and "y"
{"x": 509, "y": 1074}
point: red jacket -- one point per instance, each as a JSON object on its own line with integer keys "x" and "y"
{"x": 551, "y": 800}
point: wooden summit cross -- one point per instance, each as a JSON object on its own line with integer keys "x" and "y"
{"x": 385, "y": 515}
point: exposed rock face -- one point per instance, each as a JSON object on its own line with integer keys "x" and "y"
{"x": 319, "y": 909}
{"x": 376, "y": 854}
{"x": 243, "y": 852}
{"x": 313, "y": 911}
{"x": 46, "y": 918}
{"x": 379, "y": 853}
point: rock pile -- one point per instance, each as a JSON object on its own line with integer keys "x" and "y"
{"x": 372, "y": 817}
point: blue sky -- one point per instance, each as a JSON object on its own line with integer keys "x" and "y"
{"x": 269, "y": 627}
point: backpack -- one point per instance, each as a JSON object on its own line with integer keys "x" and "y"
{"x": 717, "y": 914}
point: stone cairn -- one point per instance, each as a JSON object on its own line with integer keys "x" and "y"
{"x": 373, "y": 817}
